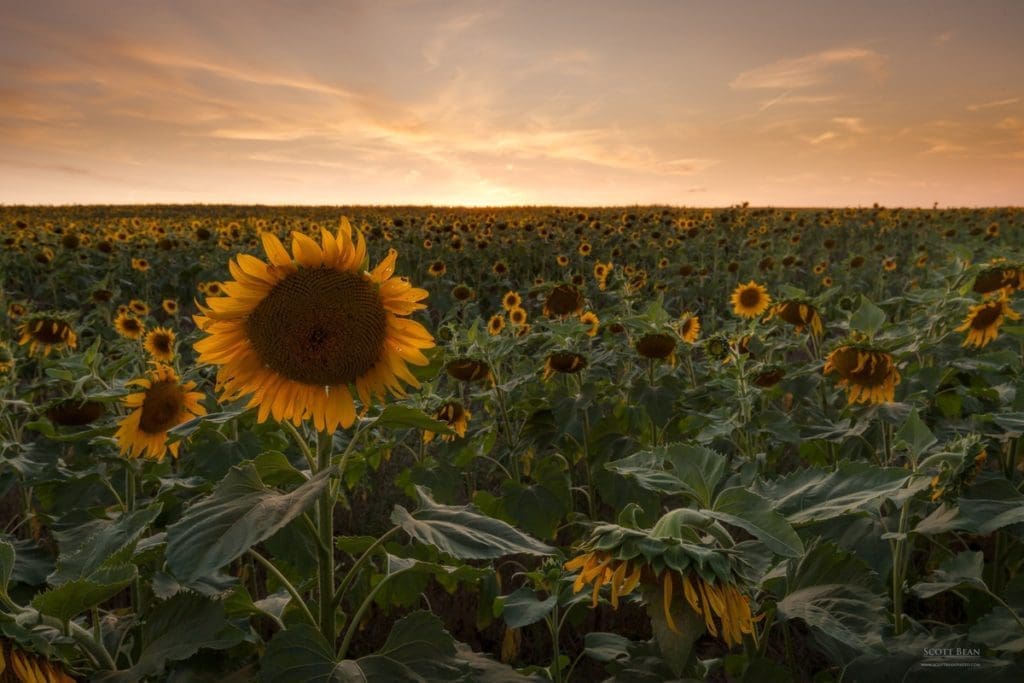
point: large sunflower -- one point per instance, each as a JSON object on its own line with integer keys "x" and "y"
{"x": 296, "y": 333}
{"x": 868, "y": 375}
{"x": 984, "y": 320}
{"x": 163, "y": 403}
{"x": 750, "y": 300}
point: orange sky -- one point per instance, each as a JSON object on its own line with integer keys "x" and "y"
{"x": 424, "y": 102}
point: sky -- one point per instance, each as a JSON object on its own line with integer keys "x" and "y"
{"x": 450, "y": 102}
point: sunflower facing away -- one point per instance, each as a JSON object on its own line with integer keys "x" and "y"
{"x": 296, "y": 333}
{"x": 456, "y": 416}
{"x": 868, "y": 375}
{"x": 984, "y": 320}
{"x": 163, "y": 403}
{"x": 44, "y": 332}
{"x": 750, "y": 300}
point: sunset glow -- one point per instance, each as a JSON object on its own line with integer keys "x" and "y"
{"x": 498, "y": 103}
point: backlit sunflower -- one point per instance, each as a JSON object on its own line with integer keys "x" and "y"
{"x": 799, "y": 314}
{"x": 163, "y": 403}
{"x": 46, "y": 332}
{"x": 128, "y": 326}
{"x": 296, "y": 333}
{"x": 496, "y": 324}
{"x": 689, "y": 328}
{"x": 997, "y": 278}
{"x": 456, "y": 416}
{"x": 869, "y": 375}
{"x": 984, "y": 320}
{"x": 159, "y": 343}
{"x": 750, "y": 300}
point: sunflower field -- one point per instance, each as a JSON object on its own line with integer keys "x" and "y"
{"x": 522, "y": 444}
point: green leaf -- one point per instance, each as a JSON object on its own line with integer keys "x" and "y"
{"x": 999, "y": 630}
{"x": 753, "y": 514}
{"x": 960, "y": 571}
{"x": 540, "y": 507}
{"x": 835, "y": 594}
{"x": 176, "y": 629}
{"x": 813, "y": 495}
{"x": 463, "y": 532}
{"x": 275, "y": 469}
{"x": 6, "y": 565}
{"x": 112, "y": 544}
{"x": 74, "y": 597}
{"x": 675, "y": 468}
{"x": 915, "y": 435}
{"x": 869, "y": 318}
{"x": 239, "y": 513}
{"x": 397, "y": 416}
{"x": 522, "y": 607}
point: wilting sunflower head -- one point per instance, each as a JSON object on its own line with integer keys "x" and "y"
{"x": 1000, "y": 277}
{"x": 717, "y": 348}
{"x": 163, "y": 403}
{"x": 467, "y": 369}
{"x": 17, "y": 664}
{"x": 750, "y": 300}
{"x": 128, "y": 326}
{"x": 43, "y": 332}
{"x": 592, "y": 322}
{"x": 564, "y": 362}
{"x": 75, "y": 413}
{"x": 684, "y": 578}
{"x": 6, "y": 358}
{"x": 689, "y": 327}
{"x": 769, "y": 376}
{"x": 869, "y": 375}
{"x": 159, "y": 343}
{"x": 456, "y": 416}
{"x": 984, "y": 320}
{"x": 295, "y": 333}
{"x": 799, "y": 314}
{"x": 563, "y": 300}
{"x": 656, "y": 346}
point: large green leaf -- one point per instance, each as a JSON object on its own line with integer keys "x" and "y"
{"x": 813, "y": 495}
{"x": 522, "y": 607}
{"x": 112, "y": 544}
{"x": 418, "y": 650}
{"x": 539, "y": 508}
{"x": 240, "y": 512}
{"x": 915, "y": 435}
{"x": 868, "y": 318}
{"x": 960, "y": 571}
{"x": 837, "y": 595}
{"x": 398, "y": 416}
{"x": 751, "y": 512}
{"x": 463, "y": 531}
{"x": 1000, "y": 630}
{"x": 675, "y": 468}
{"x": 74, "y": 597}
{"x": 176, "y": 629}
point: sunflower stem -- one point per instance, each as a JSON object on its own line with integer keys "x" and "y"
{"x": 283, "y": 580}
{"x": 300, "y": 441}
{"x": 350, "y": 630}
{"x": 326, "y": 535}
{"x": 351, "y": 574}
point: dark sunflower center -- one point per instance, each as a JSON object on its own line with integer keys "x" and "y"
{"x": 750, "y": 297}
{"x": 319, "y": 326}
{"x": 162, "y": 343}
{"x": 131, "y": 325}
{"x": 984, "y": 318}
{"x": 161, "y": 407}
{"x": 48, "y": 331}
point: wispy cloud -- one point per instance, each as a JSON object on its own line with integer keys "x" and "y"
{"x": 810, "y": 70}
{"x": 992, "y": 105}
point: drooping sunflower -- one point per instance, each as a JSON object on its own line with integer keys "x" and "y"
{"x": 468, "y": 369}
{"x": 689, "y": 328}
{"x": 592, "y": 322}
{"x": 998, "y": 277}
{"x": 296, "y": 333}
{"x": 163, "y": 403}
{"x": 46, "y": 332}
{"x": 799, "y": 314}
{"x": 128, "y": 326}
{"x": 656, "y": 346}
{"x": 562, "y": 301}
{"x": 984, "y": 320}
{"x": 563, "y": 362}
{"x": 750, "y": 300}
{"x": 456, "y": 416}
{"x": 75, "y": 413}
{"x": 496, "y": 324}
{"x": 20, "y": 665}
{"x": 15, "y": 310}
{"x": 869, "y": 375}
{"x": 159, "y": 343}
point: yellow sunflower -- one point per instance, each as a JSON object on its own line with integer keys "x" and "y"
{"x": 138, "y": 307}
{"x": 20, "y": 665}
{"x": 163, "y": 403}
{"x": 296, "y": 333}
{"x": 496, "y": 324}
{"x": 750, "y": 300}
{"x": 592, "y": 322}
{"x": 517, "y": 316}
{"x": 689, "y": 328}
{"x": 511, "y": 300}
{"x": 456, "y": 416}
{"x": 46, "y": 332}
{"x": 128, "y": 326}
{"x": 6, "y": 358}
{"x": 984, "y": 320}
{"x": 170, "y": 306}
{"x": 799, "y": 314}
{"x": 868, "y": 375}
{"x": 437, "y": 269}
{"x": 159, "y": 343}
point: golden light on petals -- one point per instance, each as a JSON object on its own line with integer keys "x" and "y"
{"x": 868, "y": 375}
{"x": 984, "y": 320}
{"x": 750, "y": 300}
{"x": 300, "y": 332}
{"x": 163, "y": 403}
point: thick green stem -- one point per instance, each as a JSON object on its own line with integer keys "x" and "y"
{"x": 554, "y": 624}
{"x": 899, "y": 567}
{"x": 325, "y": 519}
{"x": 283, "y": 580}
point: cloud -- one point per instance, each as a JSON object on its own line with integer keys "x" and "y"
{"x": 824, "y": 137}
{"x": 993, "y": 105}
{"x": 810, "y": 70}
{"x": 852, "y": 124}
{"x": 943, "y": 38}
{"x": 944, "y": 147}
{"x": 437, "y": 45}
